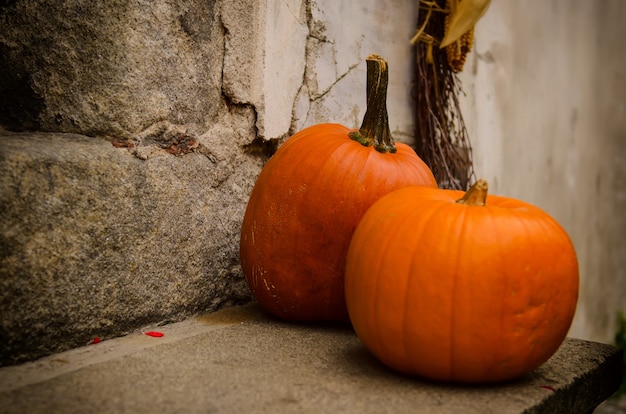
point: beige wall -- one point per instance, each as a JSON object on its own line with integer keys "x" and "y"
{"x": 546, "y": 112}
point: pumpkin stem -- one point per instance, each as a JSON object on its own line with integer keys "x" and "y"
{"x": 476, "y": 195}
{"x": 374, "y": 130}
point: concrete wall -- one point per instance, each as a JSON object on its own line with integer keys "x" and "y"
{"x": 546, "y": 112}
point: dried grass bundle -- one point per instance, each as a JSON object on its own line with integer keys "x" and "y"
{"x": 442, "y": 140}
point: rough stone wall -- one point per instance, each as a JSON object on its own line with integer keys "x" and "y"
{"x": 131, "y": 133}
{"x": 95, "y": 242}
{"x": 110, "y": 68}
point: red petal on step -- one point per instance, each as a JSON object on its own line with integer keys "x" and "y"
{"x": 154, "y": 334}
{"x": 95, "y": 340}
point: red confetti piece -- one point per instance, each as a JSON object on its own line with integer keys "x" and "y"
{"x": 95, "y": 340}
{"x": 154, "y": 334}
{"x": 547, "y": 387}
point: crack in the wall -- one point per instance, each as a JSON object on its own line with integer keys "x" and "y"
{"x": 316, "y": 27}
{"x": 339, "y": 78}
{"x": 308, "y": 93}
{"x": 262, "y": 147}
{"x": 317, "y": 32}
{"x": 303, "y": 83}
{"x": 229, "y": 100}
{"x": 303, "y": 8}
{"x": 309, "y": 86}
{"x": 257, "y": 145}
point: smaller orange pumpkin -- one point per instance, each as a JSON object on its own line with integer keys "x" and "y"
{"x": 482, "y": 289}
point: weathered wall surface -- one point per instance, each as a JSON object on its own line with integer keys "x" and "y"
{"x": 341, "y": 35}
{"x": 110, "y": 68}
{"x": 312, "y": 54}
{"x": 546, "y": 111}
{"x": 144, "y": 125}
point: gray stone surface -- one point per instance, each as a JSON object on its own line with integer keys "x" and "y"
{"x": 96, "y": 240}
{"x": 109, "y": 68}
{"x": 241, "y": 361}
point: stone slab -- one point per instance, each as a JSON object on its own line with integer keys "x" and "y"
{"x": 97, "y": 240}
{"x": 240, "y": 360}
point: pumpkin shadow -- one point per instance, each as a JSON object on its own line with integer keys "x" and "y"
{"x": 358, "y": 356}
{"x": 359, "y": 361}
{"x": 268, "y": 317}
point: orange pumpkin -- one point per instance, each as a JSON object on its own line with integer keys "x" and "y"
{"x": 482, "y": 289}
{"x": 308, "y": 200}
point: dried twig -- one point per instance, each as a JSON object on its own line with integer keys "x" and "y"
{"x": 442, "y": 140}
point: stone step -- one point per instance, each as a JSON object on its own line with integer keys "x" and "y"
{"x": 98, "y": 239}
{"x": 239, "y": 360}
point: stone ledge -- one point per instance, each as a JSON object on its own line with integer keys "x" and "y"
{"x": 96, "y": 242}
{"x": 239, "y": 360}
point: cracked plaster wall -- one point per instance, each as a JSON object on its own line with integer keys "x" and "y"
{"x": 341, "y": 35}
{"x": 306, "y": 65}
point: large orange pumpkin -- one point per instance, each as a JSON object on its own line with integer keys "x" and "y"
{"x": 482, "y": 289}
{"x": 308, "y": 200}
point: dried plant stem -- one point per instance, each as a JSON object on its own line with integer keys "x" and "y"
{"x": 442, "y": 140}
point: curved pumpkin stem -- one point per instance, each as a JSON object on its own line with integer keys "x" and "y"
{"x": 375, "y": 130}
{"x": 476, "y": 195}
